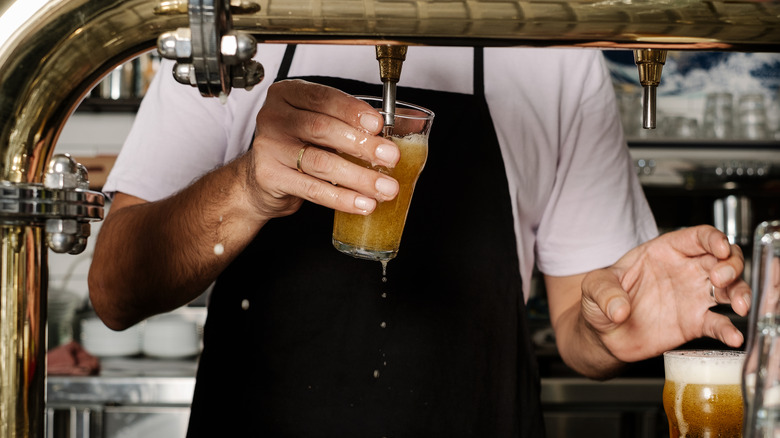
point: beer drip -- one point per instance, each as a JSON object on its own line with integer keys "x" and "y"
{"x": 391, "y": 58}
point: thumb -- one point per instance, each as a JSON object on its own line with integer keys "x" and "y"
{"x": 603, "y": 297}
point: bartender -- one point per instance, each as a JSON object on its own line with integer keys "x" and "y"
{"x": 527, "y": 165}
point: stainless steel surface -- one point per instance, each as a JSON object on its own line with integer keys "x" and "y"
{"x": 620, "y": 390}
{"x": 131, "y": 398}
{"x": 139, "y": 388}
{"x": 614, "y": 409}
{"x": 52, "y": 52}
{"x": 689, "y": 165}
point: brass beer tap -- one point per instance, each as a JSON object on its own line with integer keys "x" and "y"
{"x": 650, "y": 62}
{"x": 391, "y": 59}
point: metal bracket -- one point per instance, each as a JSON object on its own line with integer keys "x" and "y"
{"x": 63, "y": 205}
{"x": 210, "y": 55}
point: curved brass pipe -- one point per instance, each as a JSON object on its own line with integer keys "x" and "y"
{"x": 53, "y": 59}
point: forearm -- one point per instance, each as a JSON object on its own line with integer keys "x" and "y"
{"x": 581, "y": 349}
{"x": 579, "y": 346}
{"x": 154, "y": 257}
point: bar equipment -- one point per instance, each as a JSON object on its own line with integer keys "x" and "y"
{"x": 761, "y": 374}
{"x": 650, "y": 63}
{"x": 52, "y": 52}
{"x": 391, "y": 59}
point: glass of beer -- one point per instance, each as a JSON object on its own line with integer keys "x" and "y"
{"x": 703, "y": 393}
{"x": 377, "y": 236}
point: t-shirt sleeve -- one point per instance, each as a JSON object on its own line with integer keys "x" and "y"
{"x": 177, "y": 136}
{"x": 597, "y": 209}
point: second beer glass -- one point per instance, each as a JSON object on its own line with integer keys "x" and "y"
{"x": 378, "y": 235}
{"x": 702, "y": 393}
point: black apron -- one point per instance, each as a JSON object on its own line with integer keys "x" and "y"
{"x": 303, "y": 341}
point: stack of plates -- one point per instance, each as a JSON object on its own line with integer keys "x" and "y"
{"x": 171, "y": 336}
{"x": 101, "y": 341}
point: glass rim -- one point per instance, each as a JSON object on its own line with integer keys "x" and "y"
{"x": 428, "y": 113}
{"x": 705, "y": 353}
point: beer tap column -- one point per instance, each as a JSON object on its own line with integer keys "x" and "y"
{"x": 391, "y": 59}
{"x": 650, "y": 62}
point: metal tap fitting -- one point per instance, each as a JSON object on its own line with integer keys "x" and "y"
{"x": 391, "y": 59}
{"x": 650, "y": 63}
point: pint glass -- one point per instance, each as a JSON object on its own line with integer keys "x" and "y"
{"x": 702, "y": 393}
{"x": 378, "y": 235}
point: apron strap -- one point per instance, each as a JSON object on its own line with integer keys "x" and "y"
{"x": 284, "y": 67}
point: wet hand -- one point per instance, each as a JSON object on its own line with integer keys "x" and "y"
{"x": 300, "y": 131}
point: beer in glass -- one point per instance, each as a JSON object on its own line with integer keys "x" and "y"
{"x": 377, "y": 236}
{"x": 702, "y": 393}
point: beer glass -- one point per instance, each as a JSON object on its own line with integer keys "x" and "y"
{"x": 761, "y": 377}
{"x": 377, "y": 236}
{"x": 702, "y": 394}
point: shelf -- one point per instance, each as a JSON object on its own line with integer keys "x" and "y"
{"x": 710, "y": 143}
{"x": 98, "y": 105}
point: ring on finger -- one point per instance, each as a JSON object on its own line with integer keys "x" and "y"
{"x": 300, "y": 157}
{"x": 712, "y": 291}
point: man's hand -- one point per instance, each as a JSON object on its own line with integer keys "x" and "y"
{"x": 299, "y": 130}
{"x": 658, "y": 296}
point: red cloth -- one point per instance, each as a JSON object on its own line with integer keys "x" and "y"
{"x": 71, "y": 360}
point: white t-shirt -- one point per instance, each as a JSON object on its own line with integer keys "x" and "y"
{"x": 576, "y": 200}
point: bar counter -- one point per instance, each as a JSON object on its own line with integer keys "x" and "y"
{"x": 160, "y": 391}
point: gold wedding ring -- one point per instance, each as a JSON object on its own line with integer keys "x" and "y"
{"x": 300, "y": 156}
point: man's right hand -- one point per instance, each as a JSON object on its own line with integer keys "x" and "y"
{"x": 299, "y": 131}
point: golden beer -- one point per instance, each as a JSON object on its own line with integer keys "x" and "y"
{"x": 702, "y": 393}
{"x": 377, "y": 236}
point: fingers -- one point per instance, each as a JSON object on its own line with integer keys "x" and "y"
{"x": 603, "y": 295}
{"x": 725, "y": 275}
{"x": 719, "y": 327}
{"x": 320, "y": 144}
{"x": 328, "y": 117}
{"x": 325, "y": 165}
{"x": 713, "y": 241}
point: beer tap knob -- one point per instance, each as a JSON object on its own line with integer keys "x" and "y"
{"x": 391, "y": 59}
{"x": 650, "y": 62}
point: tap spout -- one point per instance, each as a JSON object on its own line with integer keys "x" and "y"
{"x": 650, "y": 63}
{"x": 391, "y": 59}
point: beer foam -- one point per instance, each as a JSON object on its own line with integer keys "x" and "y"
{"x": 420, "y": 139}
{"x": 704, "y": 367}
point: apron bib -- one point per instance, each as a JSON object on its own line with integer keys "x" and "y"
{"x": 303, "y": 341}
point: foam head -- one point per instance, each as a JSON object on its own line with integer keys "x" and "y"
{"x": 704, "y": 366}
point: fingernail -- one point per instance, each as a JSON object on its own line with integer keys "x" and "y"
{"x": 387, "y": 153}
{"x": 726, "y": 273}
{"x": 386, "y": 186}
{"x": 365, "y": 204}
{"x": 370, "y": 122}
